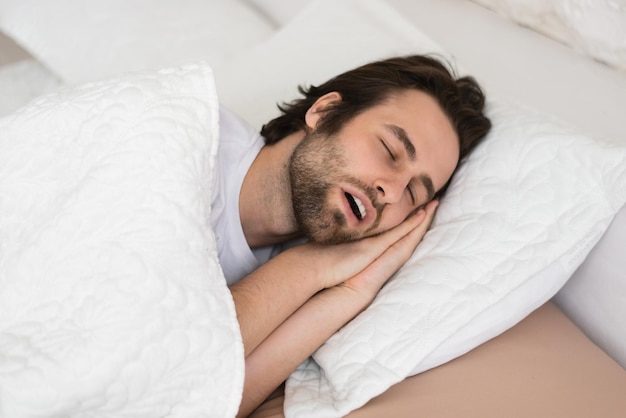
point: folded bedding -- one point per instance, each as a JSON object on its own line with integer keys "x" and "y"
{"x": 112, "y": 300}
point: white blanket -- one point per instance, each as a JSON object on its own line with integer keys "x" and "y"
{"x": 112, "y": 301}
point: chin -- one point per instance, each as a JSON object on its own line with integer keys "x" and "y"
{"x": 325, "y": 237}
{"x": 332, "y": 230}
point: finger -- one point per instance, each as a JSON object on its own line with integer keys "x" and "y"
{"x": 381, "y": 242}
{"x": 415, "y": 236}
{"x": 369, "y": 281}
{"x": 416, "y": 224}
{"x": 350, "y": 258}
{"x": 430, "y": 209}
{"x": 412, "y": 228}
{"x": 353, "y": 257}
{"x": 400, "y": 251}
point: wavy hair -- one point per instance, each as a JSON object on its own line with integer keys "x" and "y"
{"x": 461, "y": 99}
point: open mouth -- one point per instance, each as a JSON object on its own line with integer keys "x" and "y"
{"x": 358, "y": 208}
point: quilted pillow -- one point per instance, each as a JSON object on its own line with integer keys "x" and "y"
{"x": 112, "y": 300}
{"x": 520, "y": 216}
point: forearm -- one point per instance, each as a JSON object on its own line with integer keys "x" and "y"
{"x": 295, "y": 340}
{"x": 351, "y": 276}
{"x": 265, "y": 298}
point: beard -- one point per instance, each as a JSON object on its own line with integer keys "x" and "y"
{"x": 316, "y": 167}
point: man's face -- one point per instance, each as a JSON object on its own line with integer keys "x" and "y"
{"x": 380, "y": 167}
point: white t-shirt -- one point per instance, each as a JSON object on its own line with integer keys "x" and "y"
{"x": 239, "y": 145}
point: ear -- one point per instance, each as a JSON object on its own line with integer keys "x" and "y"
{"x": 316, "y": 111}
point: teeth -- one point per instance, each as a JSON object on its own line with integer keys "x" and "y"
{"x": 357, "y": 206}
{"x": 361, "y": 206}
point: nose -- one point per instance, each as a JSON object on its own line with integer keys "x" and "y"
{"x": 390, "y": 190}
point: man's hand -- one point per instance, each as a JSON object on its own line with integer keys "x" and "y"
{"x": 381, "y": 254}
{"x": 269, "y": 295}
{"x": 369, "y": 281}
{"x": 320, "y": 316}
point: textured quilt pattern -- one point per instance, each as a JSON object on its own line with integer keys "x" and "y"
{"x": 112, "y": 301}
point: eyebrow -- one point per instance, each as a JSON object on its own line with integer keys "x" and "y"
{"x": 401, "y": 135}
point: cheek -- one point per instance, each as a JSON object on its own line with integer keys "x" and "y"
{"x": 394, "y": 216}
{"x": 364, "y": 156}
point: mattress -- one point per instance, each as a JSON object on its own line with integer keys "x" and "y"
{"x": 543, "y": 367}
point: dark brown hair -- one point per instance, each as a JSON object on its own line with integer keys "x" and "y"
{"x": 369, "y": 85}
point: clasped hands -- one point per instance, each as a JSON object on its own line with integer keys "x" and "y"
{"x": 292, "y": 304}
{"x": 364, "y": 266}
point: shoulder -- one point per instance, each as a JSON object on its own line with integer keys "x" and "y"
{"x": 234, "y": 128}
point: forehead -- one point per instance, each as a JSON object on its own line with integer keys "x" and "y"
{"x": 418, "y": 110}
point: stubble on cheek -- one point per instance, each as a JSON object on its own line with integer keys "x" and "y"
{"x": 316, "y": 168}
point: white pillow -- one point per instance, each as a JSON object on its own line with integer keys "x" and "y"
{"x": 597, "y": 29}
{"x": 520, "y": 216}
{"x": 83, "y": 40}
{"x": 112, "y": 300}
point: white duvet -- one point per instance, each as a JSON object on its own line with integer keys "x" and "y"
{"x": 112, "y": 301}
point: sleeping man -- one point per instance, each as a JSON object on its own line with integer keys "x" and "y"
{"x": 356, "y": 168}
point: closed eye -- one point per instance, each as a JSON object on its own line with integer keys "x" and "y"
{"x": 393, "y": 157}
{"x": 411, "y": 194}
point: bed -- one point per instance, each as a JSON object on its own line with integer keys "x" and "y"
{"x": 528, "y": 323}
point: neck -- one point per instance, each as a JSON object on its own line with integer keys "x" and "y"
{"x": 265, "y": 207}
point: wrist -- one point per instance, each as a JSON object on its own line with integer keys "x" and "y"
{"x": 303, "y": 264}
{"x": 351, "y": 300}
